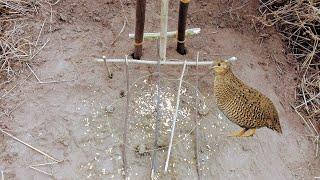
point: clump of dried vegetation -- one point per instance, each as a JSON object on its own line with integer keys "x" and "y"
{"x": 299, "y": 23}
{"x": 17, "y": 45}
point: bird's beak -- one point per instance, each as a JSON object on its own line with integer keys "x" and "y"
{"x": 212, "y": 67}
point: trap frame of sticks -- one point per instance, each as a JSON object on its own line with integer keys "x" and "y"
{"x": 139, "y": 37}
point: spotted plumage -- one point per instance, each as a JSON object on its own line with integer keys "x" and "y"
{"x": 242, "y": 104}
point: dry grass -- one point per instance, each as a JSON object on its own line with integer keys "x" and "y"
{"x": 299, "y": 24}
{"x": 17, "y": 45}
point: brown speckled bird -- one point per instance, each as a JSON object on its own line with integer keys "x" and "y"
{"x": 242, "y": 104}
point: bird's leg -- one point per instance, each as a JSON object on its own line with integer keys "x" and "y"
{"x": 238, "y": 133}
{"x": 249, "y": 133}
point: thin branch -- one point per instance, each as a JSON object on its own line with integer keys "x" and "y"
{"x": 46, "y": 82}
{"x": 309, "y": 100}
{"x": 118, "y": 35}
{"x": 110, "y": 75}
{"x": 156, "y": 131}
{"x": 197, "y": 148}
{"x": 167, "y": 62}
{"x": 170, "y": 34}
{"x": 41, "y": 171}
{"x": 175, "y": 116}
{"x": 125, "y": 131}
{"x": 2, "y": 175}
{"x": 36, "y": 44}
{"x": 28, "y": 145}
{"x": 44, "y": 164}
{"x": 16, "y": 85}
{"x": 36, "y": 53}
{"x": 124, "y": 23}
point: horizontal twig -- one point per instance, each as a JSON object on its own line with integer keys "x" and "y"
{"x": 171, "y": 34}
{"x": 167, "y": 62}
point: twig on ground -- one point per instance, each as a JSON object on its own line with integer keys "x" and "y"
{"x": 156, "y": 130}
{"x": 16, "y": 85}
{"x": 125, "y": 129}
{"x": 118, "y": 35}
{"x": 125, "y": 21}
{"x": 44, "y": 164}
{"x": 38, "y": 51}
{"x": 28, "y": 145}
{"x": 315, "y": 133}
{"x": 36, "y": 44}
{"x": 34, "y": 167}
{"x": 197, "y": 147}
{"x": 47, "y": 82}
{"x": 110, "y": 75}
{"x": 175, "y": 117}
{"x": 8, "y": 112}
{"x": 41, "y": 171}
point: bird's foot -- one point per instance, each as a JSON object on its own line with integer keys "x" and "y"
{"x": 249, "y": 133}
{"x": 238, "y": 133}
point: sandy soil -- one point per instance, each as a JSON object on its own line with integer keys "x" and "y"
{"x": 69, "y": 121}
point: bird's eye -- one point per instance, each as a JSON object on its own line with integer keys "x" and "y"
{"x": 219, "y": 64}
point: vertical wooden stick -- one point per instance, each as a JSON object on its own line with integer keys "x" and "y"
{"x": 175, "y": 117}
{"x": 183, "y": 10}
{"x": 125, "y": 129}
{"x": 156, "y": 130}
{"x": 140, "y": 18}
{"x": 164, "y": 29}
{"x": 197, "y": 148}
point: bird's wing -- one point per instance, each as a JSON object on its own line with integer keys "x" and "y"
{"x": 257, "y": 102}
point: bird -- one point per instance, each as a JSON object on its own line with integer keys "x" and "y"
{"x": 242, "y": 104}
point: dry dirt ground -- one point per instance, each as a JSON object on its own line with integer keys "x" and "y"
{"x": 68, "y": 120}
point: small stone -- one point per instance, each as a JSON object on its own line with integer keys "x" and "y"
{"x": 97, "y": 19}
{"x": 100, "y": 44}
{"x": 122, "y": 94}
{"x": 203, "y": 111}
{"x": 62, "y": 17}
{"x": 110, "y": 109}
{"x": 142, "y": 148}
{"x": 78, "y": 29}
{"x": 222, "y": 25}
{"x": 63, "y": 37}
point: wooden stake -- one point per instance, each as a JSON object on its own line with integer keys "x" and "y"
{"x": 140, "y": 18}
{"x": 164, "y": 28}
{"x": 183, "y": 10}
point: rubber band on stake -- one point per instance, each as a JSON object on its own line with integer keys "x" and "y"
{"x": 138, "y": 44}
{"x": 181, "y": 41}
